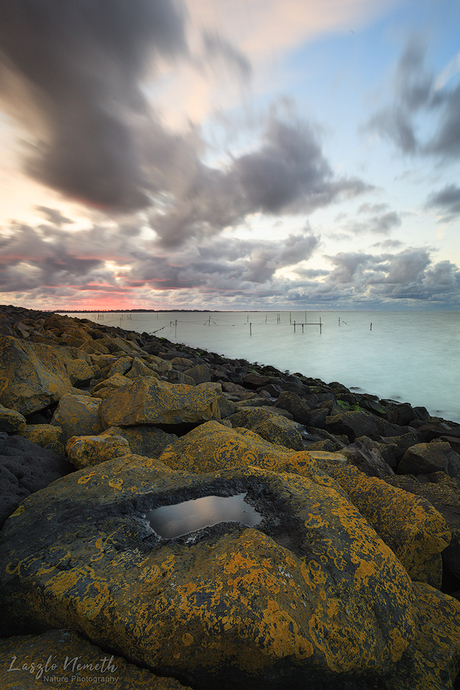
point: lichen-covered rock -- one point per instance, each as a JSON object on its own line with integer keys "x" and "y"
{"x": 213, "y": 446}
{"x": 433, "y": 659}
{"x": 200, "y": 373}
{"x": 47, "y": 436}
{"x": 31, "y": 375}
{"x": 64, "y": 659}
{"x": 150, "y": 401}
{"x": 144, "y": 440}
{"x": 408, "y": 524}
{"x": 445, "y": 497}
{"x": 310, "y": 598}
{"x": 10, "y": 420}
{"x": 105, "y": 388}
{"x": 24, "y": 469}
{"x": 86, "y": 451}
{"x": 140, "y": 368}
{"x": 77, "y": 415}
{"x": 271, "y": 426}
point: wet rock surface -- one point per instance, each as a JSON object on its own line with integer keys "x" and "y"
{"x": 345, "y": 583}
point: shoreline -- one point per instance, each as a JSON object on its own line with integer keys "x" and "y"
{"x": 111, "y": 423}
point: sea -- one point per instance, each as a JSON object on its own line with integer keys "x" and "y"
{"x": 409, "y": 357}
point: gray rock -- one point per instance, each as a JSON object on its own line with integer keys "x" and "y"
{"x": 24, "y": 469}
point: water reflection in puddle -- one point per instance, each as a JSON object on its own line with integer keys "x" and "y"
{"x": 181, "y": 519}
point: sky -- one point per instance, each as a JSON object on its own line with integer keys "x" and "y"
{"x": 230, "y": 154}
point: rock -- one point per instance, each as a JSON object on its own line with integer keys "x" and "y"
{"x": 46, "y": 436}
{"x": 424, "y": 458}
{"x": 121, "y": 366}
{"x": 453, "y": 441}
{"x": 105, "y": 388}
{"x": 86, "y": 451}
{"x": 445, "y": 498}
{"x": 149, "y": 401}
{"x": 140, "y": 368}
{"x": 212, "y": 446}
{"x": 10, "y": 420}
{"x": 77, "y": 415}
{"x": 434, "y": 662}
{"x": 410, "y": 526}
{"x": 402, "y": 442}
{"x": 255, "y": 381}
{"x": 31, "y": 375}
{"x": 144, "y": 440}
{"x": 366, "y": 456}
{"x": 24, "y": 469}
{"x": 312, "y": 597}
{"x": 272, "y": 427}
{"x": 318, "y": 418}
{"x": 360, "y": 423}
{"x": 236, "y": 389}
{"x": 297, "y": 406}
{"x": 403, "y": 415}
{"x": 200, "y": 373}
{"x": 69, "y": 661}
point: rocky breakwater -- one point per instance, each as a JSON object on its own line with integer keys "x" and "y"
{"x": 346, "y": 578}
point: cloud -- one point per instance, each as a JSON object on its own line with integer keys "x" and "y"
{"x": 378, "y": 224}
{"x": 448, "y": 200}
{"x": 286, "y": 173}
{"x": 415, "y": 96}
{"x": 53, "y": 215}
{"x": 49, "y": 265}
{"x": 75, "y": 70}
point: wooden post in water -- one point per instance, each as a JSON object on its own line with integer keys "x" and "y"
{"x": 370, "y": 328}
{"x": 250, "y": 329}
{"x": 320, "y": 326}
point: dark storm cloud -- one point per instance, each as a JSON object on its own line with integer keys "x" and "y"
{"x": 415, "y": 92}
{"x": 76, "y": 69}
{"x": 447, "y": 200}
{"x": 286, "y": 173}
{"x": 79, "y": 65}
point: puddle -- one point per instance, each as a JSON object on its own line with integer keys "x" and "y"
{"x": 183, "y": 518}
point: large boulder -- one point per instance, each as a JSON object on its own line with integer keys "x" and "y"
{"x": 11, "y": 421}
{"x": 145, "y": 440}
{"x": 47, "y": 436}
{"x": 77, "y": 415}
{"x": 424, "y": 458}
{"x": 213, "y": 446}
{"x": 366, "y": 455}
{"x": 311, "y": 597}
{"x": 271, "y": 426}
{"x": 24, "y": 469}
{"x": 150, "y": 401}
{"x": 64, "y": 659}
{"x": 415, "y": 531}
{"x": 32, "y": 375}
{"x": 86, "y": 451}
{"x": 297, "y": 406}
{"x": 445, "y": 497}
{"x": 359, "y": 423}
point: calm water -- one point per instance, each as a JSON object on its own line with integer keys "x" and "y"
{"x": 407, "y": 356}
